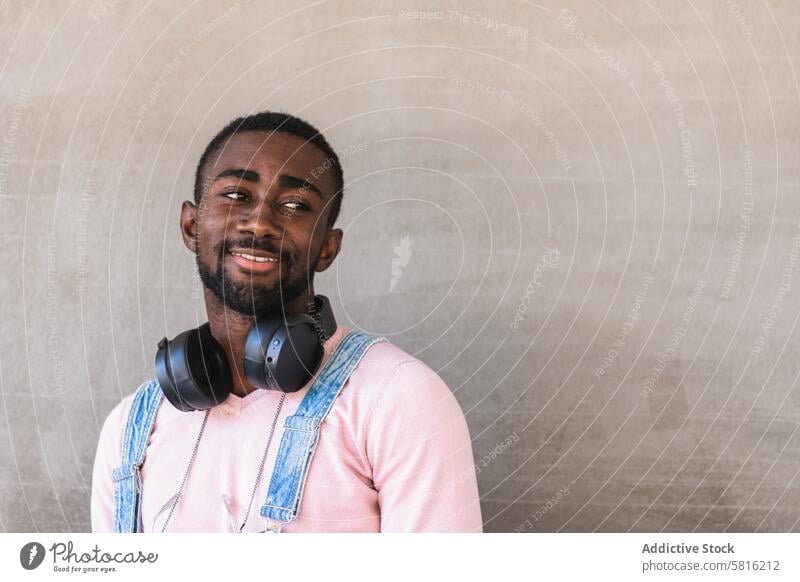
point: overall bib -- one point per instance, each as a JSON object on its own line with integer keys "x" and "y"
{"x": 299, "y": 441}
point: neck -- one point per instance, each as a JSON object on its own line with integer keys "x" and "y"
{"x": 230, "y": 329}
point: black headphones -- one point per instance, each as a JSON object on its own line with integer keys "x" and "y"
{"x": 279, "y": 354}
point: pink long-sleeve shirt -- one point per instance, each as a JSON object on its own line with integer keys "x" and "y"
{"x": 394, "y": 454}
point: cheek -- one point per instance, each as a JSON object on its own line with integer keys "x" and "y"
{"x": 306, "y": 250}
{"x": 211, "y": 229}
{"x": 318, "y": 243}
{"x": 206, "y": 246}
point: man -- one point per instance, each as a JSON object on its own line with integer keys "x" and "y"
{"x": 393, "y": 452}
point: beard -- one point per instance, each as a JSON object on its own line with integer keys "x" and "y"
{"x": 249, "y": 298}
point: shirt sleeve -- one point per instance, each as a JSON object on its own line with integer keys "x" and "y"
{"x": 419, "y": 447}
{"x": 107, "y": 458}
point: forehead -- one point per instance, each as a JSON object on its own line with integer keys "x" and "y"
{"x": 271, "y": 154}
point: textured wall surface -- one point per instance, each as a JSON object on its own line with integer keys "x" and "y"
{"x": 598, "y": 205}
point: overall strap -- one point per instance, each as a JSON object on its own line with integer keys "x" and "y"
{"x": 127, "y": 477}
{"x": 301, "y": 431}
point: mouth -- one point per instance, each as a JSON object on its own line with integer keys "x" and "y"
{"x": 254, "y": 261}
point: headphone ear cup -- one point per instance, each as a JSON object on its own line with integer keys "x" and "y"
{"x": 193, "y": 371}
{"x": 282, "y": 355}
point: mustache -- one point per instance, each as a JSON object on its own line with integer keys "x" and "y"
{"x": 265, "y": 245}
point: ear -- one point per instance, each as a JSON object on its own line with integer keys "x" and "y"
{"x": 330, "y": 248}
{"x": 189, "y": 225}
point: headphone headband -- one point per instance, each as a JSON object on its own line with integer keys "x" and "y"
{"x": 323, "y": 316}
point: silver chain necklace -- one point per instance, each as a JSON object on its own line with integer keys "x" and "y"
{"x": 177, "y": 496}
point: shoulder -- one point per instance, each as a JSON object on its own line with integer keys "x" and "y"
{"x": 109, "y": 445}
{"x": 384, "y": 359}
{"x": 400, "y": 382}
{"x": 116, "y": 419}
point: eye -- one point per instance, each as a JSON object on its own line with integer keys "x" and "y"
{"x": 295, "y": 204}
{"x": 236, "y": 195}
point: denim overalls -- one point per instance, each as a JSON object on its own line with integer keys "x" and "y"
{"x": 300, "y": 436}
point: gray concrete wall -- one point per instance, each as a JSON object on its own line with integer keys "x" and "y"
{"x": 600, "y": 201}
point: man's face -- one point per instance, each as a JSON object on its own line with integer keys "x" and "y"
{"x": 261, "y": 228}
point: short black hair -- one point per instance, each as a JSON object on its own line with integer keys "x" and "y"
{"x": 276, "y": 122}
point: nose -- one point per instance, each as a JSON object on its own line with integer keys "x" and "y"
{"x": 261, "y": 222}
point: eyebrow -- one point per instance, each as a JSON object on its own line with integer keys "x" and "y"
{"x": 284, "y": 180}
{"x": 247, "y": 175}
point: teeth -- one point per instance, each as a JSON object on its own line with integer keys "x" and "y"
{"x": 256, "y": 259}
